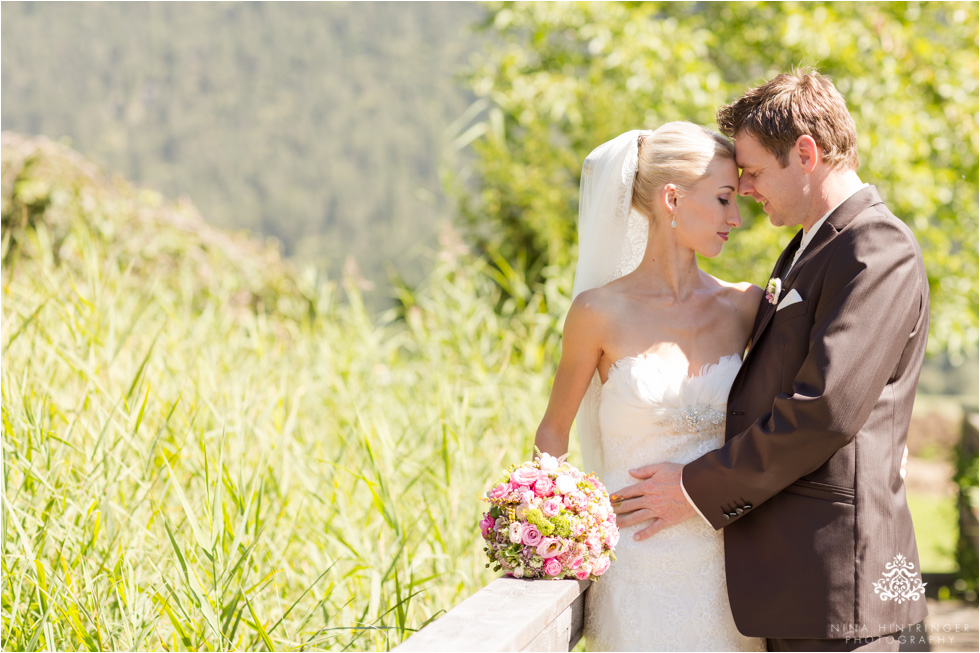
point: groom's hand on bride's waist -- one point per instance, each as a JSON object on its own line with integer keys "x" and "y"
{"x": 657, "y": 496}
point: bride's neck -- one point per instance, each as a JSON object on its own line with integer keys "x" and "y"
{"x": 668, "y": 268}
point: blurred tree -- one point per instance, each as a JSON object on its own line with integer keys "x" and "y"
{"x": 567, "y": 77}
{"x": 321, "y": 124}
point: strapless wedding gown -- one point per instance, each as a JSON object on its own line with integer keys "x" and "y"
{"x": 666, "y": 593}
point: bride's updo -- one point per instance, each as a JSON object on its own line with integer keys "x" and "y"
{"x": 677, "y": 153}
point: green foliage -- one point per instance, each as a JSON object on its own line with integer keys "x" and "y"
{"x": 934, "y": 517}
{"x": 321, "y": 124}
{"x": 569, "y": 76}
{"x": 205, "y": 449}
{"x": 967, "y": 478}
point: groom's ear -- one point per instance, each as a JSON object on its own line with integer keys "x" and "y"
{"x": 807, "y": 152}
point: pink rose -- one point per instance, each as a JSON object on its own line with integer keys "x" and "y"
{"x": 544, "y": 486}
{"x": 601, "y": 565}
{"x": 583, "y": 572}
{"x": 531, "y": 536}
{"x": 486, "y": 524}
{"x": 516, "y": 532}
{"x": 551, "y": 507}
{"x": 594, "y": 544}
{"x": 612, "y": 537}
{"x": 524, "y": 476}
{"x": 578, "y": 528}
{"x": 576, "y": 501}
{"x": 576, "y": 562}
{"x": 550, "y": 547}
{"x": 499, "y": 492}
{"x": 552, "y": 567}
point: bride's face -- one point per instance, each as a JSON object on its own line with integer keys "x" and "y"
{"x": 707, "y": 213}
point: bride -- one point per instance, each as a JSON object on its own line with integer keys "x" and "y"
{"x": 650, "y": 349}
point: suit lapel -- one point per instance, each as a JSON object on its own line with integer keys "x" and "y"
{"x": 767, "y": 310}
{"x": 820, "y": 239}
{"x": 837, "y": 220}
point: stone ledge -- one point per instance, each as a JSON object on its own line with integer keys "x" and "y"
{"x": 509, "y": 614}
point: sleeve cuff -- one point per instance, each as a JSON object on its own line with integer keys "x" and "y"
{"x": 693, "y": 505}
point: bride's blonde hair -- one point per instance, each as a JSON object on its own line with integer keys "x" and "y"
{"x": 677, "y": 153}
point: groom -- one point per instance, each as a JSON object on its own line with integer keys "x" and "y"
{"x": 819, "y": 548}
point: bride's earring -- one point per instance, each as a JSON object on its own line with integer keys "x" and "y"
{"x": 673, "y": 223}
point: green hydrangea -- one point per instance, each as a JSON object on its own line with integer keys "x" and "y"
{"x": 562, "y": 525}
{"x": 536, "y": 517}
{"x": 559, "y": 525}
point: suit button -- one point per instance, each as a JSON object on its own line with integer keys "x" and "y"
{"x": 748, "y": 506}
{"x": 733, "y": 514}
{"x": 736, "y": 413}
{"x": 725, "y": 515}
{"x": 739, "y": 511}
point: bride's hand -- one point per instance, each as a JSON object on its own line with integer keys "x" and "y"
{"x": 658, "y": 497}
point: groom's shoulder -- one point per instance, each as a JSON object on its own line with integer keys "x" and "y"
{"x": 874, "y": 237}
{"x": 876, "y": 227}
{"x": 876, "y": 215}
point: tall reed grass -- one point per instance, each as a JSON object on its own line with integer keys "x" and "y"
{"x": 203, "y": 449}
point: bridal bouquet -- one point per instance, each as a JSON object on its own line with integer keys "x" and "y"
{"x": 549, "y": 520}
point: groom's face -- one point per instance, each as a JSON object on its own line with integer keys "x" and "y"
{"x": 763, "y": 178}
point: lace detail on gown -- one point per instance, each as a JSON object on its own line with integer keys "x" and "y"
{"x": 666, "y": 593}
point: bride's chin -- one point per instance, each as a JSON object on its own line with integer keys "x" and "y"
{"x": 710, "y": 253}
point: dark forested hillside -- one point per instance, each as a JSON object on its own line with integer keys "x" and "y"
{"x": 322, "y": 124}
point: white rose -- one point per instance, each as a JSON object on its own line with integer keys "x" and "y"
{"x": 565, "y": 484}
{"x": 547, "y": 462}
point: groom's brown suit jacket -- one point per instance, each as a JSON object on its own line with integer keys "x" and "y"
{"x": 807, "y": 485}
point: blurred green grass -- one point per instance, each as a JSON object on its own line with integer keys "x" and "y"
{"x": 204, "y": 448}
{"x": 936, "y": 529}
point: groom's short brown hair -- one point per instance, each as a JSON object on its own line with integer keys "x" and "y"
{"x": 789, "y": 106}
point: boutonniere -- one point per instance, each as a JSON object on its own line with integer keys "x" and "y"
{"x": 773, "y": 289}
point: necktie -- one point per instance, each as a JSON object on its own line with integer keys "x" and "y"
{"x": 796, "y": 257}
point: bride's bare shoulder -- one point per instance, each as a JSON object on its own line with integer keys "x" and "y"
{"x": 595, "y": 303}
{"x": 744, "y": 295}
{"x": 598, "y": 305}
{"x": 745, "y": 290}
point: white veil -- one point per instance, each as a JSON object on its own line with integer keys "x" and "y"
{"x": 611, "y": 242}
